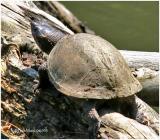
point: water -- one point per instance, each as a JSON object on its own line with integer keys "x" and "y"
{"x": 128, "y": 25}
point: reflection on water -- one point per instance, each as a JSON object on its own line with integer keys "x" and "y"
{"x": 127, "y": 25}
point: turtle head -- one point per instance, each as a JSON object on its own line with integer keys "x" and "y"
{"x": 46, "y": 35}
{"x": 46, "y": 30}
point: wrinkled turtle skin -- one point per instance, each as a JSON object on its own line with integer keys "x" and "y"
{"x": 87, "y": 66}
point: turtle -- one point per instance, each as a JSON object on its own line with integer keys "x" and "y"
{"x": 84, "y": 66}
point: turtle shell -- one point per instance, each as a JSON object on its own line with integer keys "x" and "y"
{"x": 87, "y": 66}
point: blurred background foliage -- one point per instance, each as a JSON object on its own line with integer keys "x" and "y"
{"x": 130, "y": 25}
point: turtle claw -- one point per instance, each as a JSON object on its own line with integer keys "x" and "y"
{"x": 93, "y": 114}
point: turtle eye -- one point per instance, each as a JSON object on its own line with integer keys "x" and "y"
{"x": 35, "y": 29}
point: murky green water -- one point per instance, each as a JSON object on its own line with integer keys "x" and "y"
{"x": 127, "y": 25}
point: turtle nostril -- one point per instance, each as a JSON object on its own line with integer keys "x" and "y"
{"x": 32, "y": 18}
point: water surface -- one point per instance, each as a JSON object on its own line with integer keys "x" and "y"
{"x": 128, "y": 25}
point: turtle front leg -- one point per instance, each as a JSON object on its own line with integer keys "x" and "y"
{"x": 93, "y": 118}
{"x": 128, "y": 106}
